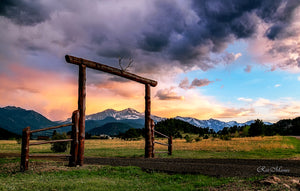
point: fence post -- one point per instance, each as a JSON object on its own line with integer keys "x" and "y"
{"x": 148, "y": 146}
{"x": 81, "y": 108}
{"x": 74, "y": 144}
{"x": 170, "y": 140}
{"x": 152, "y": 137}
{"x": 25, "y": 149}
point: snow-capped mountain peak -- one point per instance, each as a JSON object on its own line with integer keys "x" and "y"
{"x": 102, "y": 115}
{"x": 128, "y": 113}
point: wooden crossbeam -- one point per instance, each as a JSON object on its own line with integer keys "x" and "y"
{"x": 109, "y": 69}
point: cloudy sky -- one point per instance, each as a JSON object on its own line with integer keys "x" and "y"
{"x": 222, "y": 59}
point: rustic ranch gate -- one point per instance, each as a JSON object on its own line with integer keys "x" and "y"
{"x": 83, "y": 64}
{"x": 78, "y": 123}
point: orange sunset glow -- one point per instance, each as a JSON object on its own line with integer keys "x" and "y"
{"x": 240, "y": 64}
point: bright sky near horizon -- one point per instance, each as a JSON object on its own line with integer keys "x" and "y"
{"x": 222, "y": 59}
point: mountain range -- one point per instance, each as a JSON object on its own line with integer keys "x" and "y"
{"x": 15, "y": 119}
{"x": 109, "y": 121}
{"x": 130, "y": 113}
{"x": 214, "y": 124}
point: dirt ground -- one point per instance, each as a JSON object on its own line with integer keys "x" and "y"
{"x": 210, "y": 167}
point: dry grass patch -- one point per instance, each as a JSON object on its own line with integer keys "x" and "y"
{"x": 9, "y": 146}
{"x": 235, "y": 144}
{"x": 122, "y": 148}
{"x": 114, "y": 144}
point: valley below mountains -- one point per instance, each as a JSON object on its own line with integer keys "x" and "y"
{"x": 109, "y": 122}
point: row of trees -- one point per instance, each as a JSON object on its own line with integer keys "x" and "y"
{"x": 173, "y": 127}
{"x": 176, "y": 128}
{"x": 258, "y": 128}
{"x": 132, "y": 134}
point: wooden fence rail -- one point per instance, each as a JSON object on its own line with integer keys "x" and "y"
{"x": 161, "y": 143}
{"x": 169, "y": 144}
{"x": 48, "y": 155}
{"x": 49, "y": 128}
{"x": 53, "y": 141}
{"x": 74, "y": 143}
{"x": 161, "y": 134}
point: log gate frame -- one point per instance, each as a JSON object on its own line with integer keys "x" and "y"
{"x": 83, "y": 64}
{"x": 78, "y": 117}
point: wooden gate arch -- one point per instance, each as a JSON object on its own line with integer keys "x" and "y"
{"x": 83, "y": 64}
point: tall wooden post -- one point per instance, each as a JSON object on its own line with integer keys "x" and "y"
{"x": 25, "y": 149}
{"x": 74, "y": 136}
{"x": 152, "y": 138}
{"x": 81, "y": 108}
{"x": 170, "y": 143}
{"x": 148, "y": 145}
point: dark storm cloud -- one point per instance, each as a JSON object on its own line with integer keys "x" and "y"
{"x": 223, "y": 18}
{"x": 277, "y": 10}
{"x": 234, "y": 16}
{"x": 218, "y": 23}
{"x": 156, "y": 34}
{"x": 181, "y": 36}
{"x": 273, "y": 31}
{"x": 154, "y": 42}
{"x": 279, "y": 14}
{"x": 23, "y": 12}
{"x": 165, "y": 19}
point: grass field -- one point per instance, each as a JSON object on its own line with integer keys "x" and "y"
{"x": 46, "y": 175}
{"x": 105, "y": 178}
{"x": 249, "y": 147}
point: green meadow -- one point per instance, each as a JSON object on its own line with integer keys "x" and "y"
{"x": 47, "y": 175}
